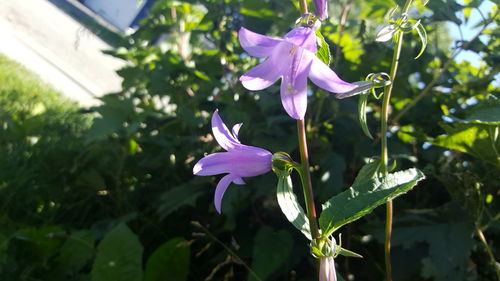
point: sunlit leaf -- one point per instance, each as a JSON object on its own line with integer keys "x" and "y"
{"x": 362, "y": 106}
{"x": 368, "y": 191}
{"x": 423, "y": 38}
{"x": 290, "y": 206}
{"x": 324, "y": 50}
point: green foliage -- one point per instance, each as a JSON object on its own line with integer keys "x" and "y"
{"x": 271, "y": 251}
{"x": 69, "y": 176}
{"x": 369, "y": 190}
{"x": 169, "y": 262}
{"x": 290, "y": 206}
{"x": 119, "y": 256}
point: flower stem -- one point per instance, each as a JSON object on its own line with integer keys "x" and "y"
{"x": 305, "y": 177}
{"x": 303, "y": 6}
{"x": 383, "y": 142}
{"x": 488, "y": 250}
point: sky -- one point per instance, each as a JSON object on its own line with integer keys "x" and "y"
{"x": 469, "y": 32}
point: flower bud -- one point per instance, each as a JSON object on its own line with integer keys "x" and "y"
{"x": 321, "y": 9}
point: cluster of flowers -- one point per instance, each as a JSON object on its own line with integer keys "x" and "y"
{"x": 293, "y": 59}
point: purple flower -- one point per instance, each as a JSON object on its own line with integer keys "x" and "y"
{"x": 293, "y": 59}
{"x": 321, "y": 9}
{"x": 327, "y": 269}
{"x": 239, "y": 161}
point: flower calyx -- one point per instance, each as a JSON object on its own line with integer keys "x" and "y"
{"x": 282, "y": 164}
{"x": 328, "y": 247}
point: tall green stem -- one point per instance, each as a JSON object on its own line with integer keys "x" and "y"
{"x": 383, "y": 142}
{"x": 305, "y": 177}
{"x": 303, "y": 6}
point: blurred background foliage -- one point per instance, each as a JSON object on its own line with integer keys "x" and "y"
{"x": 107, "y": 193}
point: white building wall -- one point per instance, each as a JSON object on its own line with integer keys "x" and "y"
{"x": 120, "y": 13}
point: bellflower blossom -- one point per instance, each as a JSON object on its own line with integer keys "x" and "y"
{"x": 327, "y": 269}
{"x": 321, "y": 9}
{"x": 293, "y": 59}
{"x": 239, "y": 161}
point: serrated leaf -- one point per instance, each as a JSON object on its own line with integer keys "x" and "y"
{"x": 170, "y": 262}
{"x": 365, "y": 195}
{"x": 119, "y": 256}
{"x": 423, "y": 38}
{"x": 323, "y": 52}
{"x": 290, "y": 206}
{"x": 362, "y": 105}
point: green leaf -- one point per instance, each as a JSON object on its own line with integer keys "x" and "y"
{"x": 423, "y": 38}
{"x": 77, "y": 251}
{"x": 290, "y": 206}
{"x": 449, "y": 244}
{"x": 324, "y": 50}
{"x": 170, "y": 262}
{"x": 485, "y": 113}
{"x": 119, "y": 256}
{"x": 362, "y": 106}
{"x": 369, "y": 190}
{"x": 271, "y": 250}
{"x": 348, "y": 253}
{"x": 177, "y": 197}
{"x": 478, "y": 140}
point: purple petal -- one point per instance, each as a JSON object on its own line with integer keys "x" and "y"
{"x": 268, "y": 72}
{"x": 238, "y": 181}
{"x": 327, "y": 269}
{"x": 236, "y": 129}
{"x": 221, "y": 133}
{"x": 303, "y": 37}
{"x": 321, "y": 9}
{"x": 248, "y": 161}
{"x": 325, "y": 78}
{"x": 255, "y": 44}
{"x": 294, "y": 85}
{"x": 221, "y": 189}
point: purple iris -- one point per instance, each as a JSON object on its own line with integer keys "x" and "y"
{"x": 239, "y": 161}
{"x": 293, "y": 59}
{"x": 321, "y": 9}
{"x": 327, "y": 269}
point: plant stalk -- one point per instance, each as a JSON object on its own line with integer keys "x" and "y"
{"x": 305, "y": 177}
{"x": 303, "y": 6}
{"x": 488, "y": 251}
{"x": 383, "y": 143}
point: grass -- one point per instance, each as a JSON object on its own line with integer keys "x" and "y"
{"x": 22, "y": 92}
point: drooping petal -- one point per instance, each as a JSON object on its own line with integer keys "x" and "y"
{"x": 236, "y": 129}
{"x": 325, "y": 78}
{"x": 327, "y": 269}
{"x": 268, "y": 72}
{"x": 221, "y": 189}
{"x": 303, "y": 37}
{"x": 255, "y": 44}
{"x": 221, "y": 133}
{"x": 294, "y": 85}
{"x": 321, "y": 8}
